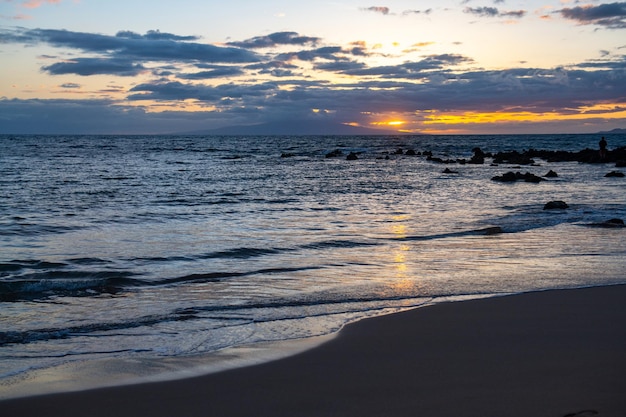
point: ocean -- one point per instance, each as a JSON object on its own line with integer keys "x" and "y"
{"x": 130, "y": 257}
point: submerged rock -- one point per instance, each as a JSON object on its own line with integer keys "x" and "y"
{"x": 555, "y": 205}
{"x": 551, "y": 174}
{"x": 334, "y": 154}
{"x": 449, "y": 171}
{"x": 612, "y": 223}
{"x": 614, "y": 174}
{"x": 352, "y": 157}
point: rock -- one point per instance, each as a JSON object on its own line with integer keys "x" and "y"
{"x": 352, "y": 157}
{"x": 334, "y": 154}
{"x": 489, "y": 231}
{"x": 614, "y": 174}
{"x": 517, "y": 176}
{"x": 612, "y": 223}
{"x": 449, "y": 171}
{"x": 508, "y": 177}
{"x": 620, "y": 164}
{"x": 555, "y": 205}
{"x": 410, "y": 152}
{"x": 514, "y": 158}
{"x": 528, "y": 177}
{"x": 399, "y": 152}
{"x": 478, "y": 158}
{"x": 287, "y": 155}
{"x": 551, "y": 174}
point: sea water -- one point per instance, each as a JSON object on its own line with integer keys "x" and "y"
{"x": 166, "y": 249}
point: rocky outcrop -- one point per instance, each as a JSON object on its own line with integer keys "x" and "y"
{"x": 615, "y": 174}
{"x": 517, "y": 176}
{"x": 555, "y": 205}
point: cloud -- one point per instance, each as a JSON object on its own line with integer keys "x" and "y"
{"x": 409, "y": 12}
{"x": 611, "y": 15}
{"x": 95, "y": 66}
{"x": 125, "y": 53}
{"x": 33, "y": 4}
{"x": 494, "y": 12}
{"x": 377, "y": 9}
{"x": 275, "y": 39}
{"x": 153, "y": 45}
{"x": 216, "y": 72}
{"x": 414, "y": 70}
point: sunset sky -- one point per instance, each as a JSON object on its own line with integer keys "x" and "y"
{"x": 445, "y": 67}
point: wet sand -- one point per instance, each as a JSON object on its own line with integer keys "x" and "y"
{"x": 551, "y": 353}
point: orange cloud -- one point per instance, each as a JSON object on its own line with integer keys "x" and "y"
{"x": 33, "y": 4}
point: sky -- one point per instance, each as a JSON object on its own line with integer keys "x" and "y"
{"x": 423, "y": 67}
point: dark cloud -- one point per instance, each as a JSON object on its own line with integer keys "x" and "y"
{"x": 95, "y": 66}
{"x": 482, "y": 11}
{"x": 415, "y": 70}
{"x": 611, "y": 15}
{"x": 377, "y": 9}
{"x": 176, "y": 91}
{"x": 494, "y": 12}
{"x": 126, "y": 53}
{"x": 154, "y": 45}
{"x": 278, "y": 38}
{"x": 274, "y": 68}
{"x": 217, "y": 72}
{"x": 155, "y": 35}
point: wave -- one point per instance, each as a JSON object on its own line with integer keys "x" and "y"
{"x": 245, "y": 315}
{"x": 48, "y": 284}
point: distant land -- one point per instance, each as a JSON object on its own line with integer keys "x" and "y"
{"x": 298, "y": 127}
{"x": 610, "y": 132}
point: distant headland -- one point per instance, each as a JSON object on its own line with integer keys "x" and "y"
{"x": 614, "y": 131}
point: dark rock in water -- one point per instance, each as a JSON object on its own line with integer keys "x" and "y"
{"x": 410, "y": 152}
{"x": 555, "y": 205}
{"x": 508, "y": 177}
{"x": 399, "y": 152}
{"x": 517, "y": 176}
{"x": 612, "y": 223}
{"x": 334, "y": 154}
{"x": 614, "y": 174}
{"x": 478, "y": 158}
{"x": 449, "y": 171}
{"x": 287, "y": 155}
{"x": 352, "y": 157}
{"x": 551, "y": 174}
{"x": 495, "y": 230}
{"x": 620, "y": 164}
{"x": 513, "y": 157}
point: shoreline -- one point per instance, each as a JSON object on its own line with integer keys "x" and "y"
{"x": 77, "y": 376}
{"x": 545, "y": 353}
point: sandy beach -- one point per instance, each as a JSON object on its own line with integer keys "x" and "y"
{"x": 552, "y": 353}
